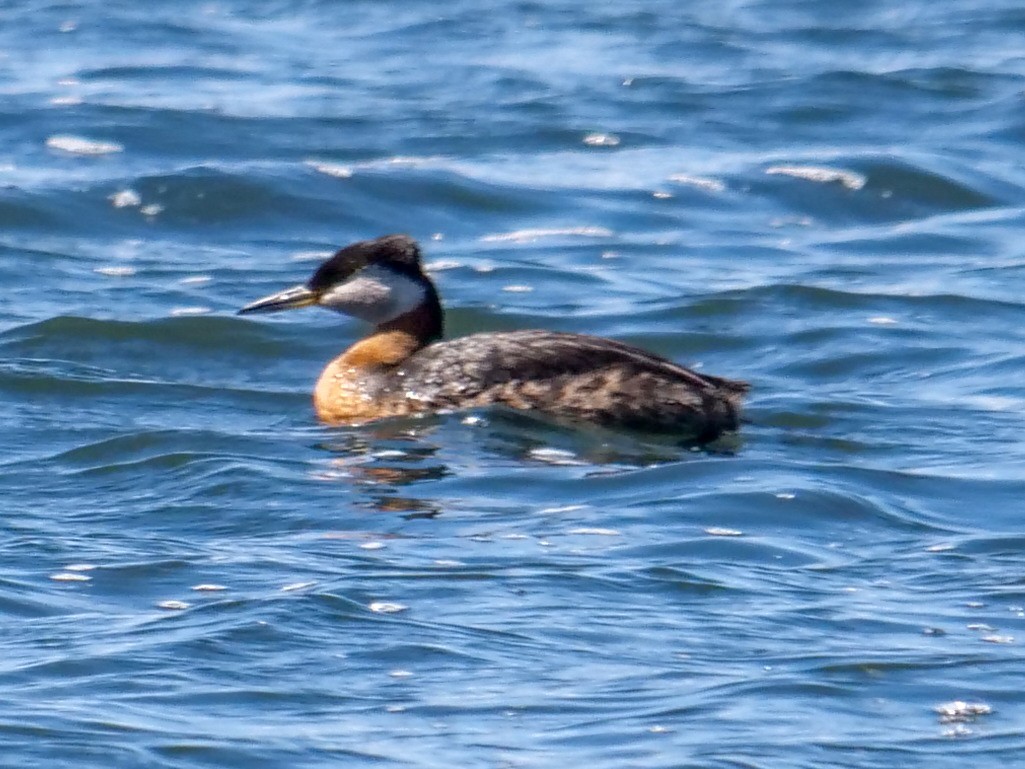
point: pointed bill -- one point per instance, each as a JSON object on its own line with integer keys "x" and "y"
{"x": 289, "y": 299}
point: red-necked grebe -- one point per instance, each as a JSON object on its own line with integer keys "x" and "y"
{"x": 404, "y": 368}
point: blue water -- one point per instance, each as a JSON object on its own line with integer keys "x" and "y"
{"x": 824, "y": 199}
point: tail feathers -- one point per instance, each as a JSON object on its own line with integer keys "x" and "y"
{"x": 732, "y": 387}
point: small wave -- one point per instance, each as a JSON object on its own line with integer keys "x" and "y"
{"x": 866, "y": 299}
{"x": 216, "y": 332}
{"x": 946, "y": 186}
{"x": 183, "y": 72}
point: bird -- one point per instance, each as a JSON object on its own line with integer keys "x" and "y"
{"x": 405, "y": 367}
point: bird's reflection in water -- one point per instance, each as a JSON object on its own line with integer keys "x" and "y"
{"x": 384, "y": 459}
{"x": 387, "y": 459}
{"x": 534, "y": 439}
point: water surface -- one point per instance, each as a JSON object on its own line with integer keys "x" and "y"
{"x": 824, "y": 201}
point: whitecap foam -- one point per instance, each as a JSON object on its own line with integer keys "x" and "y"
{"x": 173, "y": 605}
{"x": 526, "y": 236}
{"x": 115, "y": 271}
{"x": 701, "y": 182}
{"x": 77, "y": 145}
{"x": 821, "y": 174}
{"x": 125, "y": 199}
{"x": 960, "y": 711}
{"x": 336, "y": 170}
{"x": 387, "y": 607}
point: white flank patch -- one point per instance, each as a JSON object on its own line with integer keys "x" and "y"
{"x": 601, "y": 140}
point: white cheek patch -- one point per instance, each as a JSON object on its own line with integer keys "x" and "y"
{"x": 375, "y": 294}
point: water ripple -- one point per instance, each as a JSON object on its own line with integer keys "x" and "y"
{"x": 818, "y": 200}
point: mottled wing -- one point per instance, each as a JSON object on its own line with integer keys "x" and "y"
{"x": 575, "y": 375}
